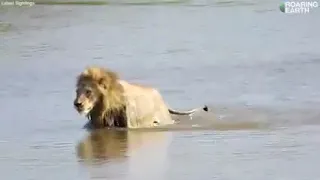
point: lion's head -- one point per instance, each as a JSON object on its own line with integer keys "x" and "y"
{"x": 97, "y": 90}
{"x": 87, "y": 96}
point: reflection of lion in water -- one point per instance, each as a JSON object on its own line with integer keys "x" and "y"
{"x": 111, "y": 102}
{"x": 103, "y": 145}
{"x": 100, "y": 145}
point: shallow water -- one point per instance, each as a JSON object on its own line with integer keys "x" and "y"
{"x": 255, "y": 67}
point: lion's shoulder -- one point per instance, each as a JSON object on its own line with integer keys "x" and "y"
{"x": 135, "y": 90}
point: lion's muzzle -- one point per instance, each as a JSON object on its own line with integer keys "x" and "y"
{"x": 78, "y": 105}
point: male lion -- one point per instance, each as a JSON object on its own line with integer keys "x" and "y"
{"x": 108, "y": 101}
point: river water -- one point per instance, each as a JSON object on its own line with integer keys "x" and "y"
{"x": 256, "y": 67}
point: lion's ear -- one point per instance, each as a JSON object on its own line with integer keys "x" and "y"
{"x": 85, "y": 72}
{"x": 103, "y": 83}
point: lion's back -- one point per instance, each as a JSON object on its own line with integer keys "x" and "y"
{"x": 145, "y": 105}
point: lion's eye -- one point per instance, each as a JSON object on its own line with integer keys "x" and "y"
{"x": 88, "y": 92}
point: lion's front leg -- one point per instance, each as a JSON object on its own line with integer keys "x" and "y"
{"x": 116, "y": 121}
{"x": 109, "y": 122}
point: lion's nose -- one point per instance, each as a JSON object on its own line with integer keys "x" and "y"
{"x": 77, "y": 104}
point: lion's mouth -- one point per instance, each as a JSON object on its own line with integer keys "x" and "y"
{"x": 83, "y": 111}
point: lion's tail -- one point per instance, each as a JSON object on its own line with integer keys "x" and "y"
{"x": 172, "y": 111}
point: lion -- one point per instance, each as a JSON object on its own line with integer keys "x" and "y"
{"x": 108, "y": 101}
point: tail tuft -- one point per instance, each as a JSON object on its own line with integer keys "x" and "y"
{"x": 205, "y": 108}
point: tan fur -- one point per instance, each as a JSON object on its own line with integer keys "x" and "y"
{"x": 118, "y": 103}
